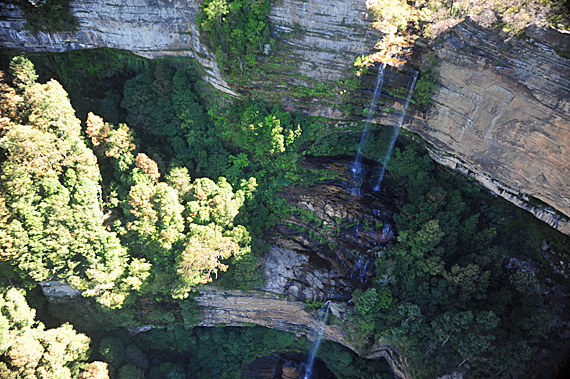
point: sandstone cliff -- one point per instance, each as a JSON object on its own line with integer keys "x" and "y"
{"x": 240, "y": 308}
{"x": 502, "y": 114}
{"x": 150, "y": 28}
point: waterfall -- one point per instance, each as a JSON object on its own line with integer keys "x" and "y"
{"x": 395, "y": 134}
{"x": 357, "y": 165}
{"x": 324, "y": 311}
{"x": 361, "y": 267}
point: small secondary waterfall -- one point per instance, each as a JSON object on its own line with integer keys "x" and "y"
{"x": 357, "y": 165}
{"x": 324, "y": 311}
{"x": 396, "y": 133}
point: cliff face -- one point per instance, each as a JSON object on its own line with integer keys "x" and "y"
{"x": 150, "y": 28}
{"x": 324, "y": 36}
{"x": 502, "y": 114}
{"x": 238, "y": 308}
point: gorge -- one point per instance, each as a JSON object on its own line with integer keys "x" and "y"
{"x": 387, "y": 258}
{"x": 532, "y": 74}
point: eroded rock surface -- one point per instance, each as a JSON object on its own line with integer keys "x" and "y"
{"x": 327, "y": 249}
{"x": 58, "y": 292}
{"x": 150, "y": 28}
{"x": 503, "y": 114}
{"x": 241, "y": 308}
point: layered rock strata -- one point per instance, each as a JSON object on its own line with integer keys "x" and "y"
{"x": 238, "y": 308}
{"x": 150, "y": 28}
{"x": 502, "y": 114}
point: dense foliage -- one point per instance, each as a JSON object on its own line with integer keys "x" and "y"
{"x": 220, "y": 353}
{"x": 148, "y": 227}
{"x": 31, "y": 351}
{"x": 453, "y": 290}
{"x": 140, "y": 212}
{"x": 52, "y": 224}
{"x": 432, "y": 17}
{"x": 237, "y": 31}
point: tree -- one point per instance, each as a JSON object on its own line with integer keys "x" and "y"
{"x": 213, "y": 202}
{"x": 202, "y": 257}
{"x": 170, "y": 223}
{"x": 112, "y": 350}
{"x": 10, "y": 104}
{"x": 47, "y": 108}
{"x": 29, "y": 350}
{"x": 23, "y": 73}
{"x": 95, "y": 370}
{"x": 143, "y": 216}
{"x": 214, "y": 11}
{"x": 148, "y": 166}
{"x": 130, "y": 372}
{"x": 392, "y": 15}
{"x": 97, "y": 130}
{"x": 179, "y": 179}
{"x": 51, "y": 211}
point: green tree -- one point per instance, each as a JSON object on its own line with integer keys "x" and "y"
{"x": 51, "y": 182}
{"x": 111, "y": 350}
{"x": 238, "y": 30}
{"x": 23, "y": 73}
{"x": 214, "y": 11}
{"x": 130, "y": 372}
{"x": 29, "y": 350}
{"x": 95, "y": 370}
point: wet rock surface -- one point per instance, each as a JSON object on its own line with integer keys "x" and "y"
{"x": 327, "y": 249}
{"x": 283, "y": 366}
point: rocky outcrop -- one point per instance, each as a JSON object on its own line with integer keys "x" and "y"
{"x": 327, "y": 248}
{"x": 502, "y": 114}
{"x": 150, "y": 28}
{"x": 58, "y": 292}
{"x": 239, "y": 308}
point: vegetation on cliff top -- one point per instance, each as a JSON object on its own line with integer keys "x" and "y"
{"x": 433, "y": 17}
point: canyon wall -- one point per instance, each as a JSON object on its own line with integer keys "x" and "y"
{"x": 502, "y": 113}
{"x": 240, "y": 308}
{"x": 150, "y": 28}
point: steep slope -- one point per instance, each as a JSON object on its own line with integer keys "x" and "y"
{"x": 502, "y": 114}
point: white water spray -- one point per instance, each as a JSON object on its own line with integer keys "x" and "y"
{"x": 324, "y": 318}
{"x": 395, "y": 134}
{"x": 357, "y": 165}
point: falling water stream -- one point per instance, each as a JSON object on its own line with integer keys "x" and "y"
{"x": 357, "y": 165}
{"x": 395, "y": 134}
{"x": 324, "y": 311}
